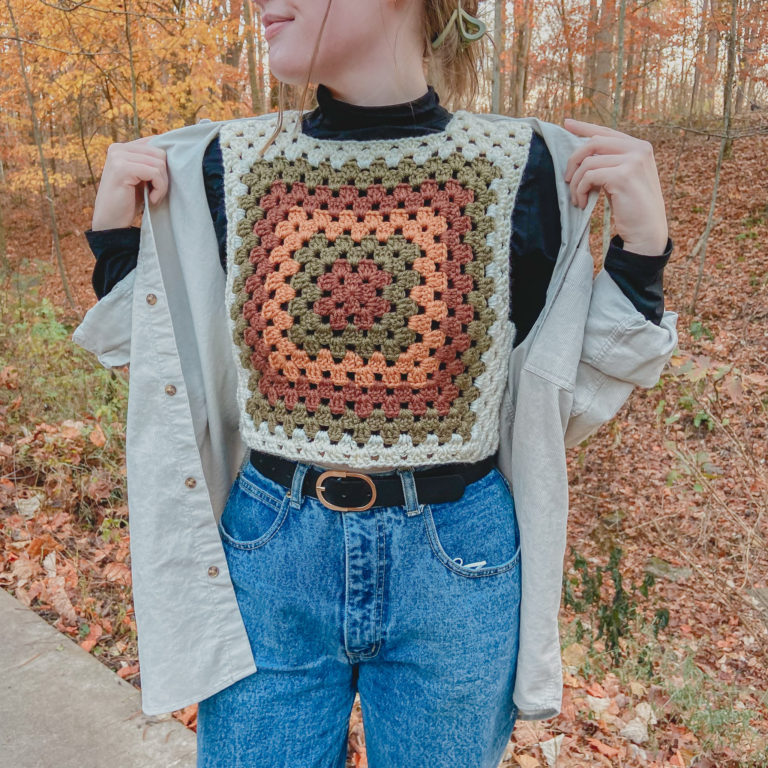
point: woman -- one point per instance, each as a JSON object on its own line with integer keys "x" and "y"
{"x": 409, "y": 332}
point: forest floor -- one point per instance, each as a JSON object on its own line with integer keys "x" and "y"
{"x": 665, "y": 614}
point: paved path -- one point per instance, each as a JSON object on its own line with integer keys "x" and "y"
{"x": 60, "y": 707}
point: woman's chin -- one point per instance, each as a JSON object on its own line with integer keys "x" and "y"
{"x": 285, "y": 67}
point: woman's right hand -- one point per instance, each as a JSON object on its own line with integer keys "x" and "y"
{"x": 129, "y": 166}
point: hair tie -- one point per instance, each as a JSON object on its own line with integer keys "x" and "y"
{"x": 466, "y": 36}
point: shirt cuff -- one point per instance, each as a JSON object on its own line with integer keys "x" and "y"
{"x": 639, "y": 276}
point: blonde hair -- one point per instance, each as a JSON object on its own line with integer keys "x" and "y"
{"x": 452, "y": 68}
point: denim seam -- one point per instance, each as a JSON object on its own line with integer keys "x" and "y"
{"x": 380, "y": 569}
{"x": 345, "y": 627}
{"x": 259, "y": 494}
{"x": 282, "y": 515}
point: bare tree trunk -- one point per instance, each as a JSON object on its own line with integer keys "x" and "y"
{"x": 699, "y": 56}
{"x": 112, "y": 124}
{"x": 523, "y": 23}
{"x": 658, "y": 82}
{"x": 83, "y": 143}
{"x": 644, "y": 68}
{"x": 615, "y": 110}
{"x": 730, "y": 77}
{"x": 260, "y": 52}
{"x": 591, "y": 62}
{"x": 707, "y": 91}
{"x": 683, "y": 140}
{"x": 498, "y": 53}
{"x": 41, "y": 156}
{"x": 52, "y": 161}
{"x": 567, "y": 37}
{"x": 257, "y": 97}
{"x": 134, "y": 104}
{"x": 745, "y": 55}
{"x": 601, "y": 98}
{"x": 680, "y": 89}
{"x": 628, "y": 97}
{"x": 234, "y": 48}
{"x": 727, "y": 140}
{"x": 504, "y": 62}
{"x": 4, "y": 263}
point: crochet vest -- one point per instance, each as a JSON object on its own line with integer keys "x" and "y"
{"x": 368, "y": 290}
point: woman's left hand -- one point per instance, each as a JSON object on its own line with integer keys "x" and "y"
{"x": 625, "y": 168}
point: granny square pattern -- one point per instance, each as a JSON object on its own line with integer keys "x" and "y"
{"x": 368, "y": 289}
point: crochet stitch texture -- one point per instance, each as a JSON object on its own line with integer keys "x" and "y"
{"x": 368, "y": 289}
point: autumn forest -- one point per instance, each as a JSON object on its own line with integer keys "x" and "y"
{"x": 664, "y": 623}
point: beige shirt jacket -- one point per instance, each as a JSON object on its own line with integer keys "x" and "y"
{"x": 586, "y": 352}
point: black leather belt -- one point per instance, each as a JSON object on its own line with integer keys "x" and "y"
{"x": 348, "y": 491}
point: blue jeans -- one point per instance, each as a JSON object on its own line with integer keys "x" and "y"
{"x": 414, "y": 607}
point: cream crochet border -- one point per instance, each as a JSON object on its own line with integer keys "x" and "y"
{"x": 505, "y": 143}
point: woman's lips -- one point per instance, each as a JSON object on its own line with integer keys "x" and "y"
{"x": 271, "y": 29}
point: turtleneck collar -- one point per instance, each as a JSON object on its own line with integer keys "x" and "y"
{"x": 335, "y": 119}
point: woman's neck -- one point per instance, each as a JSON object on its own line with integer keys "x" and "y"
{"x": 380, "y": 93}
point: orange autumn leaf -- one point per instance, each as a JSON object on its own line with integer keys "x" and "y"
{"x": 24, "y": 569}
{"x": 117, "y": 572}
{"x": 188, "y": 715}
{"x": 70, "y": 430}
{"x": 60, "y": 601}
{"x": 603, "y": 749}
{"x": 100, "y": 486}
{"x": 45, "y": 543}
{"x": 126, "y": 672}
{"x": 677, "y": 760}
{"x": 97, "y": 436}
{"x": 9, "y": 377}
{"x": 595, "y": 689}
{"x": 93, "y": 637}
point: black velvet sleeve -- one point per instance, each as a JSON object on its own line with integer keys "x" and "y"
{"x": 535, "y": 241}
{"x": 117, "y": 250}
{"x": 213, "y": 175}
{"x": 640, "y": 277}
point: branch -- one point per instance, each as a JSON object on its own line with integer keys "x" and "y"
{"x": 642, "y": 5}
{"x": 86, "y": 3}
{"x": 58, "y": 50}
{"x": 715, "y": 134}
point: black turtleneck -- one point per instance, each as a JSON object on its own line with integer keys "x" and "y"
{"x": 334, "y": 119}
{"x": 535, "y": 239}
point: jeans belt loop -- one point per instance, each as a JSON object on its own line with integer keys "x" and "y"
{"x": 410, "y": 497}
{"x": 297, "y": 483}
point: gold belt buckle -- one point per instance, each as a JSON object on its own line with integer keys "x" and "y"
{"x": 340, "y": 473}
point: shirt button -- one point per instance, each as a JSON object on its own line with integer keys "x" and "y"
{"x": 190, "y": 482}
{"x": 213, "y": 571}
{"x": 170, "y": 389}
{"x": 151, "y": 298}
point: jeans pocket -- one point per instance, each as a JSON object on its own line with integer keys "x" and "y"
{"x": 253, "y": 514}
{"x": 477, "y": 535}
